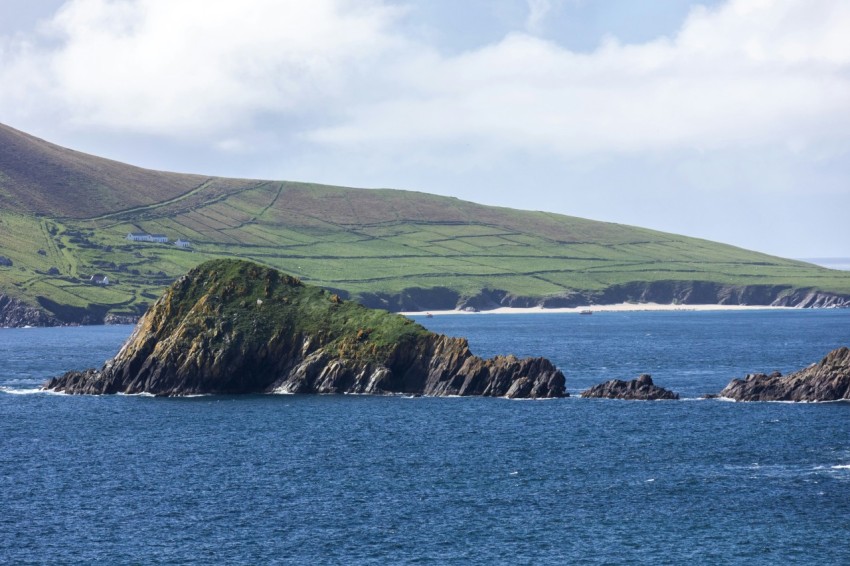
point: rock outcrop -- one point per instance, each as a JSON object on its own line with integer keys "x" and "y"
{"x": 112, "y": 318}
{"x": 237, "y": 327}
{"x": 14, "y": 313}
{"x": 827, "y": 380}
{"x": 641, "y": 389}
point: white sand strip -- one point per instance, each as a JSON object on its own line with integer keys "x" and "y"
{"x": 622, "y": 307}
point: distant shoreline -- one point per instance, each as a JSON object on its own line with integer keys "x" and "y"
{"x": 621, "y": 307}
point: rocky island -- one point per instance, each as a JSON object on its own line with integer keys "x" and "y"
{"x": 641, "y": 389}
{"x": 827, "y": 380}
{"x": 232, "y": 326}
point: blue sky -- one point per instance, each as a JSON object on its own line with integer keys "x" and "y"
{"x": 727, "y": 120}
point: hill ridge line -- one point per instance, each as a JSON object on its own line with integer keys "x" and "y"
{"x": 64, "y": 217}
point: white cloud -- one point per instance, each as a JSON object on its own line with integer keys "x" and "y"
{"x": 750, "y": 73}
{"x": 200, "y": 66}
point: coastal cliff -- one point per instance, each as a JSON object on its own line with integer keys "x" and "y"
{"x": 638, "y": 389}
{"x": 233, "y": 326}
{"x": 666, "y": 293}
{"x": 16, "y": 313}
{"x": 827, "y": 380}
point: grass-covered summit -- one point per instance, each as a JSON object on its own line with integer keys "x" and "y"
{"x": 235, "y": 300}
{"x": 232, "y": 326}
{"x": 65, "y": 215}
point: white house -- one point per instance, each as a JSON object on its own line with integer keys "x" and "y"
{"x": 183, "y": 244}
{"x": 99, "y": 279}
{"x": 144, "y": 237}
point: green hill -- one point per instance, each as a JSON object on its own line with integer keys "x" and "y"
{"x": 64, "y": 216}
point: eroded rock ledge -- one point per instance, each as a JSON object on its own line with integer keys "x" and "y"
{"x": 15, "y": 313}
{"x": 237, "y": 327}
{"x": 641, "y": 389}
{"x": 827, "y": 380}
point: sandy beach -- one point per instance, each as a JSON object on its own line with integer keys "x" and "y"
{"x": 621, "y": 307}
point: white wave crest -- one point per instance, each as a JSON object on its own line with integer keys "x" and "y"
{"x": 29, "y": 391}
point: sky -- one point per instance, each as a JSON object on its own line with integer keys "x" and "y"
{"x": 722, "y": 119}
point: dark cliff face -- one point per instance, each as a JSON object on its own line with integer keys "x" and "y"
{"x": 827, "y": 380}
{"x": 237, "y": 327}
{"x": 14, "y": 313}
{"x": 640, "y": 389}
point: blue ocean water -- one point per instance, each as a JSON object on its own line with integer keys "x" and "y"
{"x": 370, "y": 480}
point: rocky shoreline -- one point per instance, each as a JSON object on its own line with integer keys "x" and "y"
{"x": 682, "y": 293}
{"x": 827, "y": 380}
{"x": 15, "y": 313}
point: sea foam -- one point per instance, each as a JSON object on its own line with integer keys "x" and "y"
{"x": 29, "y": 391}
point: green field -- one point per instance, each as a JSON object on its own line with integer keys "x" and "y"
{"x": 358, "y": 241}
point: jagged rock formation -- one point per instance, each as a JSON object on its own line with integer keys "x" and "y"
{"x": 233, "y": 326}
{"x": 641, "y": 389}
{"x": 15, "y": 313}
{"x": 827, "y": 380}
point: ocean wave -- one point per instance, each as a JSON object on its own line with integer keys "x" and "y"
{"x": 29, "y": 391}
{"x": 142, "y": 394}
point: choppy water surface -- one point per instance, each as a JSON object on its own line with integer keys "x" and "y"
{"x": 357, "y": 480}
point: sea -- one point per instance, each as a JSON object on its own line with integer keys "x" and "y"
{"x": 274, "y": 479}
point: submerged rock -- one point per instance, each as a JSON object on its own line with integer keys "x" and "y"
{"x": 641, "y": 389}
{"x": 827, "y": 380}
{"x": 237, "y": 327}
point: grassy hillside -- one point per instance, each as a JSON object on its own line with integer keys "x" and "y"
{"x": 65, "y": 215}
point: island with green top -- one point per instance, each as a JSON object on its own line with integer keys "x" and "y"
{"x": 234, "y": 326}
